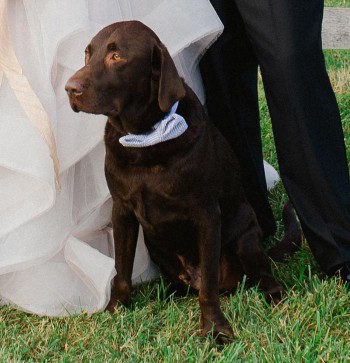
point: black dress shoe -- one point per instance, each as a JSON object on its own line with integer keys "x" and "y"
{"x": 344, "y": 273}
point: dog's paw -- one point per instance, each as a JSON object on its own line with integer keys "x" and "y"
{"x": 116, "y": 301}
{"x": 113, "y": 305}
{"x": 120, "y": 294}
{"x": 220, "y": 330}
{"x": 274, "y": 295}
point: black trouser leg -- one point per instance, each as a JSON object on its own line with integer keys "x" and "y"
{"x": 229, "y": 70}
{"x": 286, "y": 38}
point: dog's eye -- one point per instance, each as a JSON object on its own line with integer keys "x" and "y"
{"x": 116, "y": 56}
{"x": 87, "y": 55}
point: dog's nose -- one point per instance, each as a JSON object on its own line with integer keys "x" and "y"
{"x": 74, "y": 87}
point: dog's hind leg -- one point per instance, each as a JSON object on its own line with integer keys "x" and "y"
{"x": 256, "y": 264}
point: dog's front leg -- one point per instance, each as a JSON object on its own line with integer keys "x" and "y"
{"x": 209, "y": 243}
{"x": 125, "y": 231}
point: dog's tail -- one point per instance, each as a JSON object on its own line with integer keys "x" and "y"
{"x": 291, "y": 241}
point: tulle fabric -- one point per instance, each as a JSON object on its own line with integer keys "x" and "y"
{"x": 56, "y": 249}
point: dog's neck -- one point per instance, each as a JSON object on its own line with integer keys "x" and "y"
{"x": 170, "y": 127}
{"x": 136, "y": 117}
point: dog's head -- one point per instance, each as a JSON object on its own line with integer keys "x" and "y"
{"x": 128, "y": 76}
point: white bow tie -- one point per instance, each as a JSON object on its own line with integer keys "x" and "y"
{"x": 170, "y": 127}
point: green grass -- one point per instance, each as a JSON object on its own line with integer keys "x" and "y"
{"x": 337, "y": 3}
{"x": 311, "y": 325}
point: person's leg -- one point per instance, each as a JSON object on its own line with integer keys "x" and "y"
{"x": 229, "y": 71}
{"x": 286, "y": 37}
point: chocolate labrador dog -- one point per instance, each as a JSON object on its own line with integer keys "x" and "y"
{"x": 184, "y": 188}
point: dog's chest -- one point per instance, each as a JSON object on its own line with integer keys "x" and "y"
{"x": 156, "y": 198}
{"x": 155, "y": 206}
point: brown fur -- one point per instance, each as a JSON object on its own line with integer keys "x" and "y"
{"x": 186, "y": 193}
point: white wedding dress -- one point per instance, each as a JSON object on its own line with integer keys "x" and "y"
{"x": 55, "y": 244}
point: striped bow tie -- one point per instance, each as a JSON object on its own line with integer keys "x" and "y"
{"x": 170, "y": 127}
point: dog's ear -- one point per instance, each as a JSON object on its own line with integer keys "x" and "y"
{"x": 170, "y": 85}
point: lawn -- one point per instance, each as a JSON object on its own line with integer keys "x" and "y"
{"x": 338, "y": 3}
{"x": 312, "y": 324}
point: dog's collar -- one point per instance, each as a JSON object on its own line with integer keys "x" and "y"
{"x": 170, "y": 127}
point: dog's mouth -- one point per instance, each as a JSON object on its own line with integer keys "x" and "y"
{"x": 78, "y": 106}
{"x": 112, "y": 113}
{"x": 74, "y": 105}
